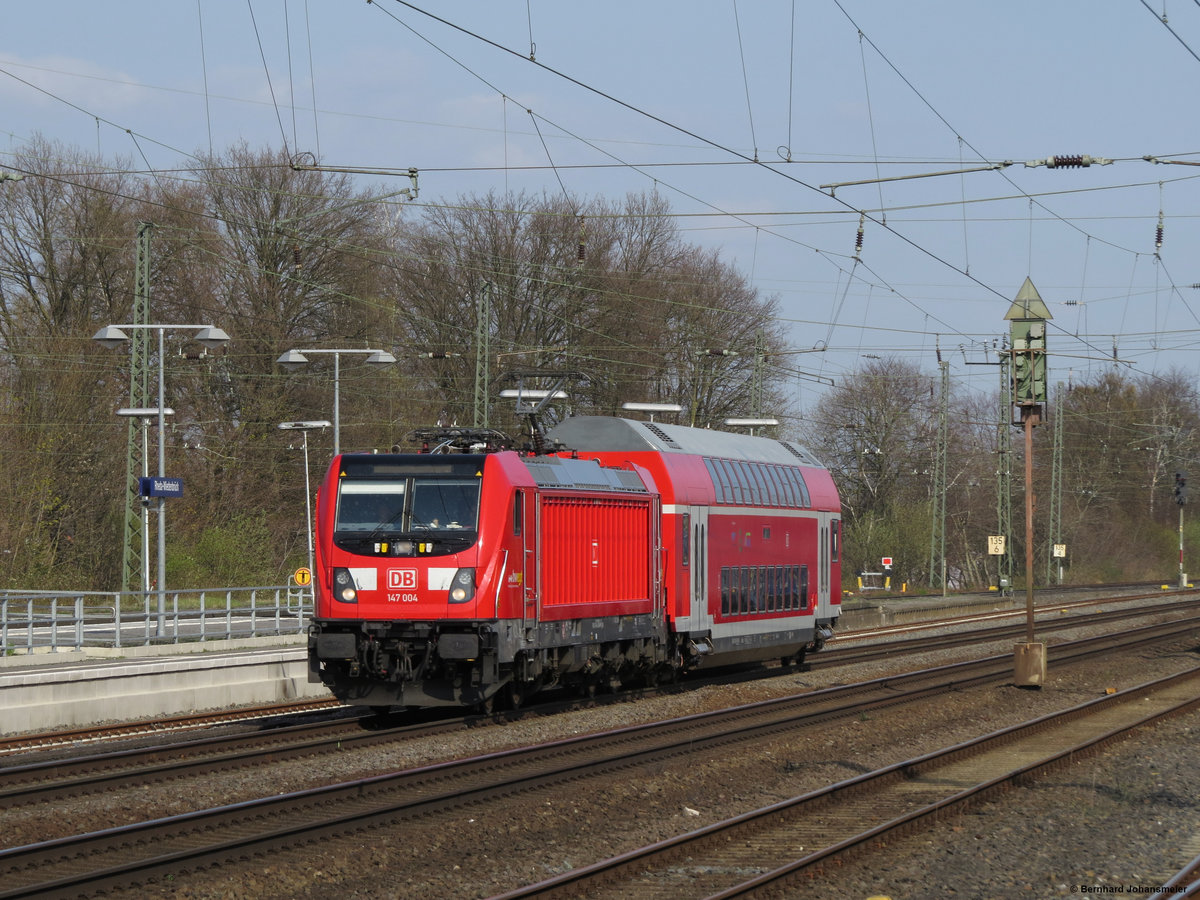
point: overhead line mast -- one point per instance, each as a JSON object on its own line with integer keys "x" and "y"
{"x": 134, "y": 531}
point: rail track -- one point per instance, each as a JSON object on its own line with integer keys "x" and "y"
{"x": 48, "y": 780}
{"x": 133, "y": 854}
{"x": 842, "y": 650}
{"x": 838, "y": 652}
{"x": 1185, "y": 883}
{"x": 754, "y": 854}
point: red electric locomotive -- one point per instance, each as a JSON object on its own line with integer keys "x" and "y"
{"x": 633, "y": 551}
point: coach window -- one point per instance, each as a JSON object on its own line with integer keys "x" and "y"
{"x": 724, "y": 590}
{"x": 726, "y": 493}
{"x": 800, "y": 487}
{"x": 771, "y": 496}
{"x": 746, "y": 481}
{"x": 731, "y": 475}
{"x": 785, "y": 475}
{"x": 518, "y": 507}
{"x": 833, "y": 537}
{"x": 793, "y": 485}
{"x": 718, "y": 491}
{"x": 720, "y": 480}
{"x": 764, "y": 485}
{"x": 777, "y": 487}
{"x": 803, "y": 587}
{"x": 745, "y": 472}
{"x": 735, "y": 489}
{"x": 726, "y": 480}
{"x": 806, "y": 498}
{"x": 756, "y": 493}
{"x": 797, "y": 483}
{"x": 753, "y": 494}
{"x": 685, "y": 553}
{"x": 712, "y": 474}
{"x": 729, "y": 480}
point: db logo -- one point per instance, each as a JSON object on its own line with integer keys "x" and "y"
{"x": 402, "y": 579}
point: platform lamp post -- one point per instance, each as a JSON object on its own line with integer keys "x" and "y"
{"x": 1027, "y": 332}
{"x": 651, "y": 408}
{"x": 304, "y": 428}
{"x": 294, "y": 359}
{"x": 145, "y": 415}
{"x": 114, "y": 336}
{"x": 751, "y": 422}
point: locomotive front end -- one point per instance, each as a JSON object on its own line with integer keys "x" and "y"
{"x": 399, "y": 615}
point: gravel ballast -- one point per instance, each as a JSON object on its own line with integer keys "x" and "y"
{"x": 1127, "y": 817}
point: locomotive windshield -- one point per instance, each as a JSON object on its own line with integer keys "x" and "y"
{"x": 388, "y": 508}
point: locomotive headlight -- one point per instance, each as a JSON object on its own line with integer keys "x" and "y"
{"x": 344, "y": 588}
{"x": 462, "y": 586}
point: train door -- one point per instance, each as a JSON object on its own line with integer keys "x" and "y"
{"x": 699, "y": 616}
{"x": 827, "y": 566}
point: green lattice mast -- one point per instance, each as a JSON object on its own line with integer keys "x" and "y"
{"x": 133, "y": 563}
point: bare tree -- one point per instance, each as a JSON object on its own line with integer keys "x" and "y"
{"x": 65, "y": 265}
{"x": 607, "y": 291}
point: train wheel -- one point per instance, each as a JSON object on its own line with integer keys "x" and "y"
{"x": 520, "y": 691}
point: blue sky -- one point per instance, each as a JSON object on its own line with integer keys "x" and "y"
{"x": 765, "y": 100}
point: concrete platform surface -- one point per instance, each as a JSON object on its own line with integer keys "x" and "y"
{"x": 50, "y": 691}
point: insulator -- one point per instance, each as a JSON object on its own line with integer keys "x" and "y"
{"x": 858, "y": 241}
{"x": 1068, "y": 162}
{"x": 296, "y": 255}
{"x": 1158, "y": 237}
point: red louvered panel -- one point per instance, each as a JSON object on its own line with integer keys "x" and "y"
{"x": 596, "y": 556}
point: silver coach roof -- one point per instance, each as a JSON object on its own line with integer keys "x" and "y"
{"x": 606, "y": 433}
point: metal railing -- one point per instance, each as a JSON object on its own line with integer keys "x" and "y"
{"x": 52, "y": 621}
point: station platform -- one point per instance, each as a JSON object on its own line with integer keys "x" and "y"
{"x": 47, "y": 691}
{"x": 51, "y": 691}
{"x": 876, "y": 610}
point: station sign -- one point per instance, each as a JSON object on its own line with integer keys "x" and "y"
{"x": 160, "y": 486}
